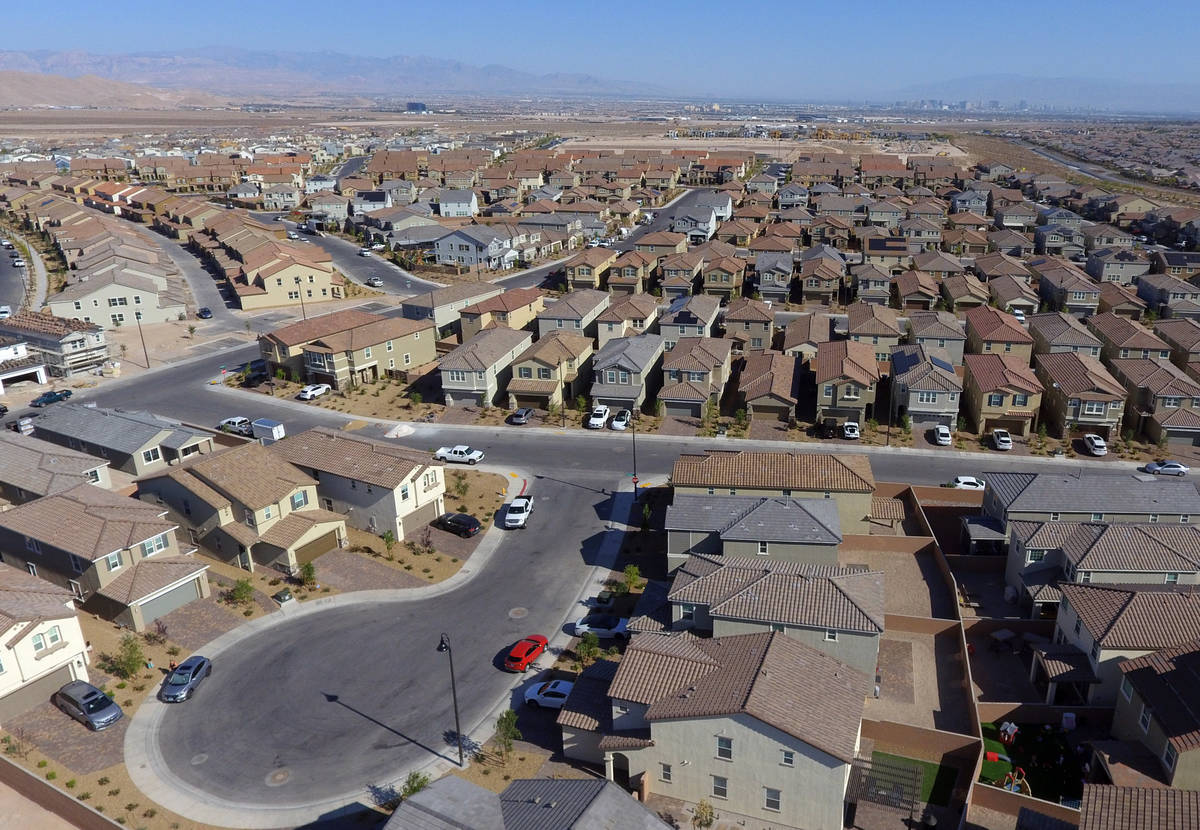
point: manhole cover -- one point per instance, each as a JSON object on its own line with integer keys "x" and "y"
{"x": 278, "y": 777}
{"x": 199, "y": 759}
{"x": 518, "y": 613}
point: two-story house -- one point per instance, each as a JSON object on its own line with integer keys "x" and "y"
{"x": 876, "y": 325}
{"x": 1183, "y": 336}
{"x": 516, "y": 308}
{"x": 1070, "y": 290}
{"x": 1056, "y": 331}
{"x": 695, "y": 371}
{"x": 1163, "y": 401}
{"x": 630, "y": 273}
{"x": 769, "y": 385}
{"x": 1012, "y": 294}
{"x": 991, "y": 331}
{"x": 588, "y": 268}
{"x": 1000, "y": 391}
{"x": 1157, "y": 709}
{"x": 249, "y": 507}
{"x": 925, "y": 387}
{"x": 379, "y": 486}
{"x": 916, "y": 290}
{"x": 773, "y": 273}
{"x": 1169, "y": 296}
{"x": 1080, "y": 396}
{"x": 938, "y": 331}
{"x": 750, "y": 324}
{"x": 31, "y": 468}
{"x": 64, "y": 346}
{"x": 1121, "y": 338}
{"x": 366, "y": 353}
{"x": 444, "y": 305}
{"x": 625, "y": 372}
{"x": 723, "y": 277}
{"x": 1121, "y": 300}
{"x": 477, "y": 372}
{"x": 576, "y": 312}
{"x": 871, "y": 284}
{"x": 118, "y": 557}
{"x": 846, "y": 374}
{"x": 475, "y": 246}
{"x": 552, "y": 372}
{"x": 1119, "y": 265}
{"x": 627, "y": 316}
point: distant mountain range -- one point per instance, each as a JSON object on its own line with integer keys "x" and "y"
{"x": 1087, "y": 93}
{"x": 26, "y": 89}
{"x": 258, "y": 75}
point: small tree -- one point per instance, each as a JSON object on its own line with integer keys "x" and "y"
{"x": 414, "y": 783}
{"x": 507, "y": 732}
{"x": 659, "y": 408}
{"x": 633, "y": 575}
{"x": 580, "y": 403}
{"x": 588, "y": 648}
{"x": 192, "y": 332}
{"x": 130, "y": 657}
{"x": 1042, "y": 433}
{"x": 645, "y": 517}
{"x": 704, "y": 816}
{"x": 389, "y": 540}
{"x": 241, "y": 593}
{"x": 461, "y": 486}
{"x": 740, "y": 417}
{"x": 416, "y": 398}
{"x": 308, "y": 574}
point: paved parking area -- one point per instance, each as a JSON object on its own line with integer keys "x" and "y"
{"x": 199, "y": 622}
{"x": 767, "y": 429}
{"x": 678, "y": 425}
{"x": 69, "y": 742}
{"x": 355, "y": 572}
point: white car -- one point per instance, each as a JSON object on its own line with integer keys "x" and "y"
{"x": 603, "y": 626}
{"x": 379, "y": 246}
{"x": 850, "y": 430}
{"x": 942, "y": 436}
{"x": 598, "y": 418}
{"x": 968, "y": 483}
{"x": 517, "y": 515}
{"x": 459, "y": 454}
{"x": 293, "y": 235}
{"x": 1095, "y": 444}
{"x": 239, "y": 425}
{"x": 550, "y": 695}
{"x": 621, "y": 420}
{"x": 314, "y": 390}
{"x": 364, "y": 251}
{"x": 18, "y": 263}
{"x": 1001, "y": 440}
{"x": 375, "y": 282}
{"x": 1019, "y": 315}
{"x": 1167, "y": 468}
{"x": 5, "y": 312}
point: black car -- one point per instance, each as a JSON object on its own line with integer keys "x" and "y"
{"x": 521, "y": 416}
{"x": 204, "y": 313}
{"x": 827, "y": 428}
{"x": 460, "y": 523}
{"x": 3, "y": 409}
{"x": 180, "y": 684}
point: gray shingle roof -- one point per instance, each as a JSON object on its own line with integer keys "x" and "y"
{"x": 116, "y": 429}
{"x": 634, "y": 354}
{"x": 42, "y": 467}
{"x": 756, "y": 519}
{"x": 1057, "y": 492}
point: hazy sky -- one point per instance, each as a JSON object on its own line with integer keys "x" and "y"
{"x": 792, "y": 49}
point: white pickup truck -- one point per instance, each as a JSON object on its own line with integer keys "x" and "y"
{"x": 462, "y": 454}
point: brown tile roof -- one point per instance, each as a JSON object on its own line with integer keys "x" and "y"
{"x": 327, "y": 324}
{"x": 994, "y": 325}
{"x": 150, "y": 575}
{"x": 380, "y": 463}
{"x": 1124, "y": 333}
{"x": 1124, "y": 617}
{"x": 872, "y": 319}
{"x": 43, "y": 322}
{"x": 769, "y": 373}
{"x": 556, "y": 348}
{"x": 806, "y": 328}
{"x": 1112, "y": 295}
{"x": 42, "y": 467}
{"x": 942, "y": 325}
{"x": 588, "y": 706}
{"x": 1181, "y": 331}
{"x": 1168, "y": 682}
{"x": 25, "y": 597}
{"x": 992, "y": 372}
{"x": 698, "y": 354}
{"x": 916, "y": 282}
{"x": 250, "y": 474}
{"x": 485, "y": 349}
{"x": 87, "y": 521}
{"x": 1157, "y": 376}
{"x": 846, "y": 359}
{"x": 751, "y": 470}
{"x": 288, "y": 530}
{"x": 510, "y": 300}
{"x": 1106, "y": 807}
{"x": 1080, "y": 375}
{"x": 630, "y": 307}
{"x": 770, "y": 677}
{"x": 745, "y": 309}
{"x": 367, "y": 334}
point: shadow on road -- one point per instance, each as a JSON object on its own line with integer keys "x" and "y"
{"x": 335, "y": 699}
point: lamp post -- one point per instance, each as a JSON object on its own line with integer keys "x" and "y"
{"x": 300, "y": 293}
{"x": 137, "y": 315}
{"x": 444, "y": 647}
{"x": 633, "y": 422}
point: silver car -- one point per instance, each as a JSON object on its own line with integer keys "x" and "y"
{"x": 88, "y": 705}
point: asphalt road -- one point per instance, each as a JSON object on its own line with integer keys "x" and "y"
{"x": 12, "y": 283}
{"x": 350, "y": 167}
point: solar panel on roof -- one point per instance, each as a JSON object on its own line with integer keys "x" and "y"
{"x": 942, "y": 364}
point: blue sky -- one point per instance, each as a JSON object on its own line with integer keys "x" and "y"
{"x": 774, "y": 49}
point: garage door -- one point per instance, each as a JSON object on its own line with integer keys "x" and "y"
{"x": 530, "y": 401}
{"x": 1014, "y": 425}
{"x": 1183, "y": 439}
{"x": 419, "y": 518}
{"x": 35, "y": 693}
{"x": 309, "y": 552}
{"x": 683, "y": 409}
{"x": 162, "y": 605}
{"x": 771, "y": 413}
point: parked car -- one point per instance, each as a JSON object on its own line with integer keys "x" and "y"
{"x": 53, "y": 396}
{"x": 826, "y": 429}
{"x": 181, "y": 683}
{"x": 1095, "y": 444}
{"x": 549, "y": 695}
{"x": 88, "y": 705}
{"x": 458, "y": 523}
{"x": 364, "y": 251}
{"x": 518, "y": 512}
{"x": 967, "y": 483}
{"x": 942, "y": 436}
{"x": 602, "y": 625}
{"x": 521, "y": 416}
{"x": 850, "y": 430}
{"x": 293, "y": 235}
{"x": 18, "y": 263}
{"x": 598, "y": 418}
{"x": 5, "y": 312}
{"x": 3, "y": 409}
{"x": 314, "y": 390}
{"x": 1019, "y": 315}
{"x": 621, "y": 420}
{"x": 237, "y": 424}
{"x": 1001, "y": 440}
{"x": 1167, "y": 468}
{"x": 603, "y": 600}
{"x": 460, "y": 454}
{"x": 204, "y": 313}
{"x": 375, "y": 282}
{"x": 525, "y": 652}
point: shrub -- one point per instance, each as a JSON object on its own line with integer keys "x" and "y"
{"x": 173, "y": 651}
{"x": 103, "y": 780}
{"x": 114, "y": 792}
{"x": 42, "y": 763}
{"x": 414, "y": 783}
{"x": 241, "y": 593}
{"x": 70, "y": 785}
{"x": 308, "y": 573}
{"x": 51, "y": 775}
{"x": 249, "y": 612}
{"x": 122, "y": 685}
{"x": 84, "y": 796}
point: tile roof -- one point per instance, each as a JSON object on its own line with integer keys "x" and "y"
{"x": 87, "y": 521}
{"x": 510, "y": 300}
{"x": 942, "y": 325}
{"x": 573, "y": 804}
{"x": 1157, "y": 376}
{"x": 1123, "y": 332}
{"x": 630, "y": 307}
{"x": 43, "y": 322}
{"x": 1080, "y": 375}
{"x": 994, "y": 325}
{"x": 291, "y": 528}
{"x": 1113, "y": 294}
{"x": 924, "y": 370}
{"x": 692, "y": 310}
{"x": 1058, "y": 492}
{"x": 557, "y": 347}
{"x": 150, "y": 575}
{"x": 367, "y": 334}
{"x": 588, "y": 706}
{"x": 791, "y": 593}
{"x": 42, "y": 467}
{"x": 757, "y": 519}
{"x": 454, "y": 293}
{"x": 1183, "y": 332}
{"x": 380, "y": 463}
{"x": 323, "y": 326}
{"x": 770, "y": 373}
{"x": 770, "y": 677}
{"x": 632, "y": 353}
{"x": 1168, "y": 682}
{"x": 1061, "y": 329}
{"x": 796, "y": 471}
{"x": 114, "y": 429}
{"x": 1106, "y": 807}
{"x": 1124, "y": 548}
{"x": 744, "y": 309}
{"x": 1143, "y": 618}
{"x": 811, "y": 329}
{"x": 846, "y": 359}
{"x": 916, "y": 282}
{"x": 249, "y": 474}
{"x": 992, "y": 372}
{"x": 872, "y": 319}
{"x": 25, "y": 597}
{"x": 576, "y": 305}
{"x": 698, "y": 354}
{"x": 486, "y": 349}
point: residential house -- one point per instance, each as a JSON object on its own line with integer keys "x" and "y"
{"x": 136, "y": 443}
{"x": 871, "y": 284}
{"x": 444, "y": 305}
{"x": 694, "y": 316}
{"x": 698, "y": 223}
{"x": 516, "y": 308}
{"x": 938, "y": 264}
{"x": 364, "y": 354}
{"x": 574, "y": 312}
{"x": 630, "y": 273}
{"x": 65, "y": 346}
{"x": 773, "y": 272}
{"x": 885, "y": 214}
{"x": 1101, "y": 236}
{"x": 750, "y": 324}
{"x": 118, "y": 557}
{"x": 1000, "y": 391}
{"x": 1058, "y": 240}
{"x": 1169, "y": 296}
{"x": 283, "y": 349}
{"x": 990, "y": 330}
{"x": 379, "y": 486}
{"x": 116, "y": 298}
{"x": 249, "y": 507}
{"x": 1121, "y": 337}
{"x": 31, "y": 468}
{"x": 681, "y": 272}
{"x": 995, "y": 265}
{"x": 925, "y": 387}
{"x": 43, "y": 646}
{"x": 792, "y": 195}
{"x": 1011, "y": 294}
{"x": 1121, "y": 301}
{"x": 847, "y": 479}
{"x": 1020, "y": 218}
{"x": 1182, "y": 264}
{"x": 1119, "y": 265}
{"x": 476, "y": 246}
{"x": 1157, "y": 709}
{"x": 661, "y": 244}
{"x": 627, "y": 316}
{"x": 1183, "y": 336}
{"x": 17, "y": 364}
{"x": 963, "y": 291}
{"x": 722, "y": 277}
{"x": 477, "y": 372}
{"x": 965, "y": 242}
{"x": 458, "y": 203}
{"x": 889, "y": 253}
{"x": 1080, "y": 395}
{"x": 876, "y": 325}
{"x": 625, "y": 372}
{"x": 553, "y": 372}
{"x": 695, "y": 371}
{"x": 916, "y": 290}
{"x": 820, "y": 281}
{"x": 769, "y": 385}
{"x": 969, "y": 201}
{"x": 777, "y": 528}
{"x": 938, "y": 331}
{"x": 1079, "y": 496}
{"x": 1057, "y": 331}
{"x": 804, "y": 333}
{"x": 846, "y": 374}
{"x": 1163, "y": 401}
{"x": 588, "y": 268}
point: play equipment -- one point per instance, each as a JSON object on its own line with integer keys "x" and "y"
{"x": 1015, "y": 781}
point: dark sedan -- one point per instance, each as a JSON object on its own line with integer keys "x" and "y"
{"x": 204, "y": 313}
{"x": 460, "y": 523}
{"x": 181, "y": 683}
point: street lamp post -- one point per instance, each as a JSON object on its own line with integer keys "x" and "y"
{"x": 300, "y": 293}
{"x": 633, "y": 423}
{"x": 444, "y": 646}
{"x": 137, "y": 315}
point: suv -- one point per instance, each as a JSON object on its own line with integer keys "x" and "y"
{"x": 1095, "y": 444}
{"x": 5, "y": 312}
{"x": 1001, "y": 440}
{"x": 517, "y": 515}
{"x": 850, "y": 430}
{"x": 88, "y": 705}
{"x": 598, "y": 418}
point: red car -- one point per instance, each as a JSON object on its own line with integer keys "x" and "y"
{"x": 525, "y": 652}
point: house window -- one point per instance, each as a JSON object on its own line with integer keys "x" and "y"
{"x": 544, "y": 373}
{"x": 1093, "y": 407}
{"x": 458, "y": 376}
{"x": 388, "y": 346}
{"x": 1153, "y": 518}
{"x": 1169, "y": 756}
{"x": 1078, "y": 625}
{"x": 249, "y": 518}
{"x": 687, "y": 611}
{"x": 830, "y": 636}
{"x": 268, "y": 511}
{"x": 1097, "y": 517}
{"x": 153, "y": 546}
{"x": 1144, "y": 719}
{"x": 78, "y": 565}
{"x": 1085, "y": 576}
{"x": 724, "y": 748}
{"x": 41, "y": 642}
{"x": 610, "y": 376}
{"x": 525, "y": 373}
{"x": 1054, "y": 517}
{"x": 1035, "y": 555}
{"x": 995, "y": 400}
{"x": 33, "y": 544}
{"x": 151, "y": 455}
{"x": 1126, "y": 688}
{"x": 1020, "y": 400}
{"x": 927, "y": 397}
{"x": 771, "y": 799}
{"x": 828, "y": 391}
{"x": 762, "y": 548}
{"x": 299, "y": 499}
{"x": 1184, "y": 519}
{"x": 1172, "y": 579}
{"x": 787, "y": 758}
{"x": 367, "y": 352}
{"x": 852, "y": 392}
{"x": 624, "y": 378}
{"x": 664, "y": 772}
{"x": 403, "y": 492}
{"x": 720, "y": 786}
{"x": 1171, "y": 403}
